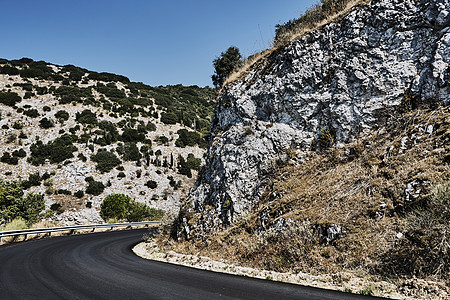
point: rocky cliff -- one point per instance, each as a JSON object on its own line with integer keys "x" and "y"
{"x": 331, "y": 86}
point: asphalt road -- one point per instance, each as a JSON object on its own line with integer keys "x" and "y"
{"x": 103, "y": 266}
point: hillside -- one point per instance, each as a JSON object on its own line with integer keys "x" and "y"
{"x": 331, "y": 152}
{"x": 76, "y": 136}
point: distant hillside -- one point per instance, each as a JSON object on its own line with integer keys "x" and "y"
{"x": 77, "y": 136}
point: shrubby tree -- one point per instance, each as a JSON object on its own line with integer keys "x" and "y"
{"x": 46, "y": 123}
{"x": 105, "y": 160}
{"x": 225, "y": 65}
{"x": 13, "y": 204}
{"x": 9, "y": 98}
{"x": 120, "y": 206}
{"x": 95, "y": 187}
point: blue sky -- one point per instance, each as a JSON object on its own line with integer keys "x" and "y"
{"x": 155, "y": 42}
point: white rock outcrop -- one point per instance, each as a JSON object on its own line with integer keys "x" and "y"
{"x": 346, "y": 79}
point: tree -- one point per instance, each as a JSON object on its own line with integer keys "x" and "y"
{"x": 120, "y": 207}
{"x": 225, "y": 65}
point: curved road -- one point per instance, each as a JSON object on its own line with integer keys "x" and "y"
{"x": 103, "y": 266}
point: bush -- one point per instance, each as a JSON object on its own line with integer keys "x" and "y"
{"x": 95, "y": 188}
{"x": 64, "y": 192}
{"x": 106, "y": 161}
{"x": 32, "y": 113}
{"x": 46, "y": 123}
{"x": 8, "y": 159}
{"x": 33, "y": 180}
{"x": 62, "y": 115}
{"x": 225, "y": 65}
{"x": 14, "y": 205}
{"x": 17, "y": 125}
{"x": 129, "y": 152}
{"x": 151, "y": 184}
{"x": 19, "y": 153}
{"x": 9, "y": 98}
{"x": 132, "y": 135}
{"x": 86, "y": 117}
{"x": 114, "y": 206}
{"x": 169, "y": 118}
{"x": 308, "y": 20}
{"x": 56, "y": 207}
{"x": 79, "y": 194}
{"x": 120, "y": 207}
{"x": 187, "y": 138}
{"x": 429, "y": 234}
{"x": 56, "y": 151}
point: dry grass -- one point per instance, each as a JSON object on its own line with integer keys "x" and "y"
{"x": 360, "y": 188}
{"x": 295, "y": 33}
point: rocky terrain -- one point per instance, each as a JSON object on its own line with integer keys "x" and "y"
{"x": 331, "y": 153}
{"x": 330, "y": 87}
{"x": 139, "y": 126}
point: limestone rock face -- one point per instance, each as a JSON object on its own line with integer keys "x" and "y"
{"x": 342, "y": 80}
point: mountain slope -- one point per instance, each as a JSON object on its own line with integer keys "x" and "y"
{"x": 82, "y": 135}
{"x": 328, "y": 88}
{"x": 333, "y": 152}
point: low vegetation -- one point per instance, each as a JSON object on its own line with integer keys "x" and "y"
{"x": 14, "y": 205}
{"x": 387, "y": 207}
{"x": 122, "y": 207}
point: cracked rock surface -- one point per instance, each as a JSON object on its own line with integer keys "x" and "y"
{"x": 345, "y": 79}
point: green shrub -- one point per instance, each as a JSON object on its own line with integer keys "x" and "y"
{"x": 62, "y": 115}
{"x": 64, "y": 192}
{"x": 56, "y": 207}
{"x": 16, "y": 224}
{"x": 132, "y": 135}
{"x": 8, "y": 159}
{"x": 308, "y": 20}
{"x": 162, "y": 140}
{"x": 14, "y": 205}
{"x": 114, "y": 206}
{"x": 106, "y": 161}
{"x": 429, "y": 235}
{"x": 79, "y": 194}
{"x": 129, "y": 152}
{"x": 120, "y": 207}
{"x": 17, "y": 125}
{"x": 86, "y": 117}
{"x": 95, "y": 188}
{"x": 169, "y": 118}
{"x": 19, "y": 153}
{"x": 33, "y": 180}
{"x": 151, "y": 184}
{"x": 121, "y": 175}
{"x": 46, "y": 123}
{"x": 9, "y": 98}
{"x": 32, "y": 113}
{"x": 56, "y": 151}
{"x": 224, "y": 65}
{"x": 22, "y": 135}
{"x": 187, "y": 138}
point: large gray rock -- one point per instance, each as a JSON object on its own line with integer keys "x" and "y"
{"x": 344, "y": 79}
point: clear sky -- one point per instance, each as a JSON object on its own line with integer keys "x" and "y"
{"x": 153, "y": 41}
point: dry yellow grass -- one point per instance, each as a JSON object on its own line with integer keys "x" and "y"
{"x": 362, "y": 189}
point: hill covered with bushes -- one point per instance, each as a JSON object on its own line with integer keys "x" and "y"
{"x": 76, "y": 136}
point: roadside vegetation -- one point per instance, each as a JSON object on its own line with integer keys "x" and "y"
{"x": 366, "y": 209}
{"x": 16, "y": 208}
{"x": 119, "y": 207}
